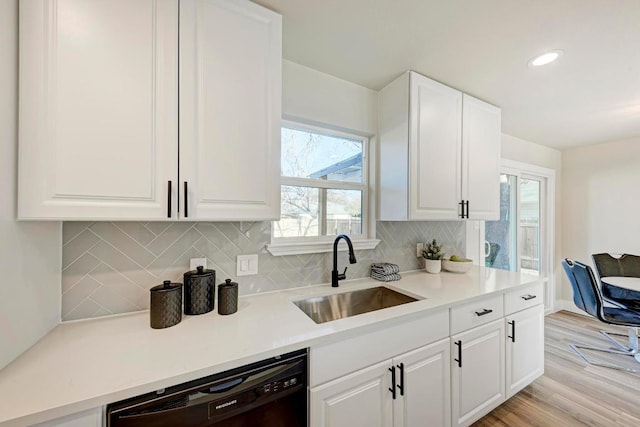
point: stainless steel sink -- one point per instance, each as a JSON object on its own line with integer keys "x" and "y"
{"x": 338, "y": 306}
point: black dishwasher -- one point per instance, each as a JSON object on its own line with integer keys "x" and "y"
{"x": 269, "y": 393}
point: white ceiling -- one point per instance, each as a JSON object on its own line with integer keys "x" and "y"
{"x": 590, "y": 95}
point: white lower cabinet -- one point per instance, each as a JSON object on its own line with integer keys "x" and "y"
{"x": 360, "y": 399}
{"x": 89, "y": 418}
{"x": 406, "y": 390}
{"x": 525, "y": 348}
{"x": 469, "y": 359}
{"x": 477, "y": 372}
{"x": 426, "y": 396}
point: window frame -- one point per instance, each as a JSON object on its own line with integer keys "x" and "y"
{"x": 319, "y": 244}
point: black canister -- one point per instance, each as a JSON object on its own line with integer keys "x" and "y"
{"x": 166, "y": 305}
{"x": 199, "y": 290}
{"x": 227, "y": 297}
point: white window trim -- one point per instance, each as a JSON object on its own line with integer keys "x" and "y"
{"x": 300, "y": 248}
{"x": 324, "y": 244}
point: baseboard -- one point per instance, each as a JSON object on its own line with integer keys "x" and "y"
{"x": 567, "y": 305}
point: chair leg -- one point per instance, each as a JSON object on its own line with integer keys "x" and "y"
{"x": 632, "y": 340}
{"x": 576, "y": 348}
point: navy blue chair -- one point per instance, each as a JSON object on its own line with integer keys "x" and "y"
{"x": 588, "y": 297}
{"x": 625, "y": 265}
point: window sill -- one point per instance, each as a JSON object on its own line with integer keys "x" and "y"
{"x": 298, "y": 248}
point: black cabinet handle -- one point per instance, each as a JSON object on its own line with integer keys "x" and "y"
{"x": 528, "y": 297}
{"x": 169, "y": 201}
{"x": 513, "y": 331}
{"x": 483, "y": 312}
{"x": 186, "y": 199}
{"x": 393, "y": 382}
{"x": 401, "y": 385}
{"x": 459, "y": 359}
{"x": 464, "y": 209}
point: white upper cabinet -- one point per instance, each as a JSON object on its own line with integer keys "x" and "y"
{"x": 230, "y": 109}
{"x": 439, "y": 152}
{"x": 98, "y": 108}
{"x": 481, "y": 133}
{"x": 123, "y": 117}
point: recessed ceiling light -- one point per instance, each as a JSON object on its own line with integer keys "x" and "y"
{"x": 545, "y": 58}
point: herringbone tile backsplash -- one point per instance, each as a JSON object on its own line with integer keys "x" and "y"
{"x": 109, "y": 267}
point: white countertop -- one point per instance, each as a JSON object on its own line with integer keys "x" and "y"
{"x": 85, "y": 364}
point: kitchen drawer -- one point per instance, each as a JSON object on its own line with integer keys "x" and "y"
{"x": 336, "y": 359}
{"x": 524, "y": 297}
{"x": 476, "y": 313}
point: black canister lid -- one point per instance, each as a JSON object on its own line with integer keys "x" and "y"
{"x": 228, "y": 283}
{"x": 166, "y": 286}
{"x": 199, "y": 272}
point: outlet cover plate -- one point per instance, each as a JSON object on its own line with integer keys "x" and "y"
{"x": 419, "y": 248}
{"x": 247, "y": 265}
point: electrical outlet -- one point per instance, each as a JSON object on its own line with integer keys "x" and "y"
{"x": 419, "y": 248}
{"x": 195, "y": 262}
{"x": 246, "y": 265}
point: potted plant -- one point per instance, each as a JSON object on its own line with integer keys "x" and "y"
{"x": 432, "y": 254}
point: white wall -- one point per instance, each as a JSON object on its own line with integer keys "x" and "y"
{"x": 314, "y": 97}
{"x": 601, "y": 203}
{"x": 29, "y": 252}
{"x": 528, "y": 152}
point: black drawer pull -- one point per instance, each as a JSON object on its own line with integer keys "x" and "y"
{"x": 528, "y": 297}
{"x": 483, "y": 312}
{"x": 393, "y": 382}
{"x": 459, "y": 359}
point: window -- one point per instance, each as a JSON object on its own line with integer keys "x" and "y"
{"x": 324, "y": 189}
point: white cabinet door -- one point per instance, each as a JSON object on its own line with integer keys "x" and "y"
{"x": 477, "y": 372}
{"x": 98, "y": 108}
{"x": 426, "y": 387}
{"x": 435, "y": 149}
{"x": 90, "y": 418}
{"x": 438, "y": 148}
{"x": 360, "y": 399}
{"x": 230, "y": 110}
{"x": 481, "y": 133}
{"x": 525, "y": 348}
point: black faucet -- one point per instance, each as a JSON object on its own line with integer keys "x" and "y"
{"x": 335, "y": 276}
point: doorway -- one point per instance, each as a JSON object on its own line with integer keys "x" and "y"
{"x": 521, "y": 239}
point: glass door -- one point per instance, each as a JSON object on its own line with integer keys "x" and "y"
{"x": 529, "y": 225}
{"x": 501, "y": 238}
{"x": 522, "y": 239}
{"x": 513, "y": 242}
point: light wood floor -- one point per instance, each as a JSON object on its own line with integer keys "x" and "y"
{"x": 571, "y": 392}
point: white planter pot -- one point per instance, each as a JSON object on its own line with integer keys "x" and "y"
{"x": 432, "y": 266}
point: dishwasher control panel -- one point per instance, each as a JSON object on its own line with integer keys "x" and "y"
{"x": 279, "y": 385}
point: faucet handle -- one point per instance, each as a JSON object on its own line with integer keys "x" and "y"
{"x": 343, "y": 275}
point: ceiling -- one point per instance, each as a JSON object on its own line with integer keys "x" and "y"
{"x": 482, "y": 47}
